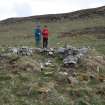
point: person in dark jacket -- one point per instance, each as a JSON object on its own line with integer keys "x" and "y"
{"x": 38, "y": 35}
{"x": 45, "y": 34}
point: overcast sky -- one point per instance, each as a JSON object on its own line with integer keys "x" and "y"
{"x": 22, "y": 8}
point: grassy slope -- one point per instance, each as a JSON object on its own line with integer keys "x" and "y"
{"x": 18, "y": 34}
{"x": 22, "y": 83}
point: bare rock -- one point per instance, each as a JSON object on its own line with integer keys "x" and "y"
{"x": 69, "y": 60}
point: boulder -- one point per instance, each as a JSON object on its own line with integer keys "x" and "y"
{"x": 61, "y": 50}
{"x": 83, "y": 50}
{"x": 48, "y": 63}
{"x": 70, "y": 60}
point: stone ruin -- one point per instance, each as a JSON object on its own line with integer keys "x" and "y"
{"x": 70, "y": 55}
{"x": 22, "y": 51}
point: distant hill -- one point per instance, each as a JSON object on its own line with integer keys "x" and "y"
{"x": 86, "y": 13}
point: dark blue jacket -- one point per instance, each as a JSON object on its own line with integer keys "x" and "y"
{"x": 38, "y": 34}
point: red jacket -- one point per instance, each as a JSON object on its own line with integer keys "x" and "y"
{"x": 45, "y": 33}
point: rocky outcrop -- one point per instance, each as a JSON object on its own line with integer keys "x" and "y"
{"x": 72, "y": 55}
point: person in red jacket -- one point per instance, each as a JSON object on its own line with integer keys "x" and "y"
{"x": 45, "y": 34}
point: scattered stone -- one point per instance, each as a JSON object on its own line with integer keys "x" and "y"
{"x": 13, "y": 50}
{"x": 70, "y": 55}
{"x": 92, "y": 76}
{"x": 72, "y": 80}
{"x": 58, "y": 43}
{"x": 69, "y": 60}
{"x": 50, "y": 53}
{"x": 48, "y": 73}
{"x": 61, "y": 50}
{"x": 63, "y": 73}
{"x": 37, "y": 50}
{"x": 42, "y": 66}
{"x": 23, "y": 51}
{"x": 83, "y": 50}
{"x": 48, "y": 63}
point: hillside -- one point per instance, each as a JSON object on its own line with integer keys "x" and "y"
{"x": 70, "y": 72}
{"x": 81, "y": 28}
{"x": 63, "y": 80}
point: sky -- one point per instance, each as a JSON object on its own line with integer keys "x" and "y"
{"x": 24, "y": 8}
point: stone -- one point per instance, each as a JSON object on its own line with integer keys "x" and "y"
{"x": 61, "y": 50}
{"x": 92, "y": 76}
{"x": 72, "y": 80}
{"x": 69, "y": 47}
{"x": 48, "y": 73}
{"x": 13, "y": 50}
{"x": 70, "y": 60}
{"x": 41, "y": 66}
{"x": 52, "y": 49}
{"x": 58, "y": 43}
{"x": 20, "y": 51}
{"x": 80, "y": 55}
{"x": 83, "y": 50}
{"x": 63, "y": 73}
{"x": 48, "y": 63}
{"x": 50, "y": 53}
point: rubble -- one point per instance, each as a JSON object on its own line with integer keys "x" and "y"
{"x": 72, "y": 55}
{"x": 69, "y": 54}
{"x": 22, "y": 51}
{"x": 63, "y": 73}
{"x": 83, "y": 50}
{"x": 49, "y": 73}
{"x": 61, "y": 50}
{"x": 47, "y": 63}
{"x": 70, "y": 60}
{"x": 42, "y": 66}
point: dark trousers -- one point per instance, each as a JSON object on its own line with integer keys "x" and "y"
{"x": 45, "y": 42}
